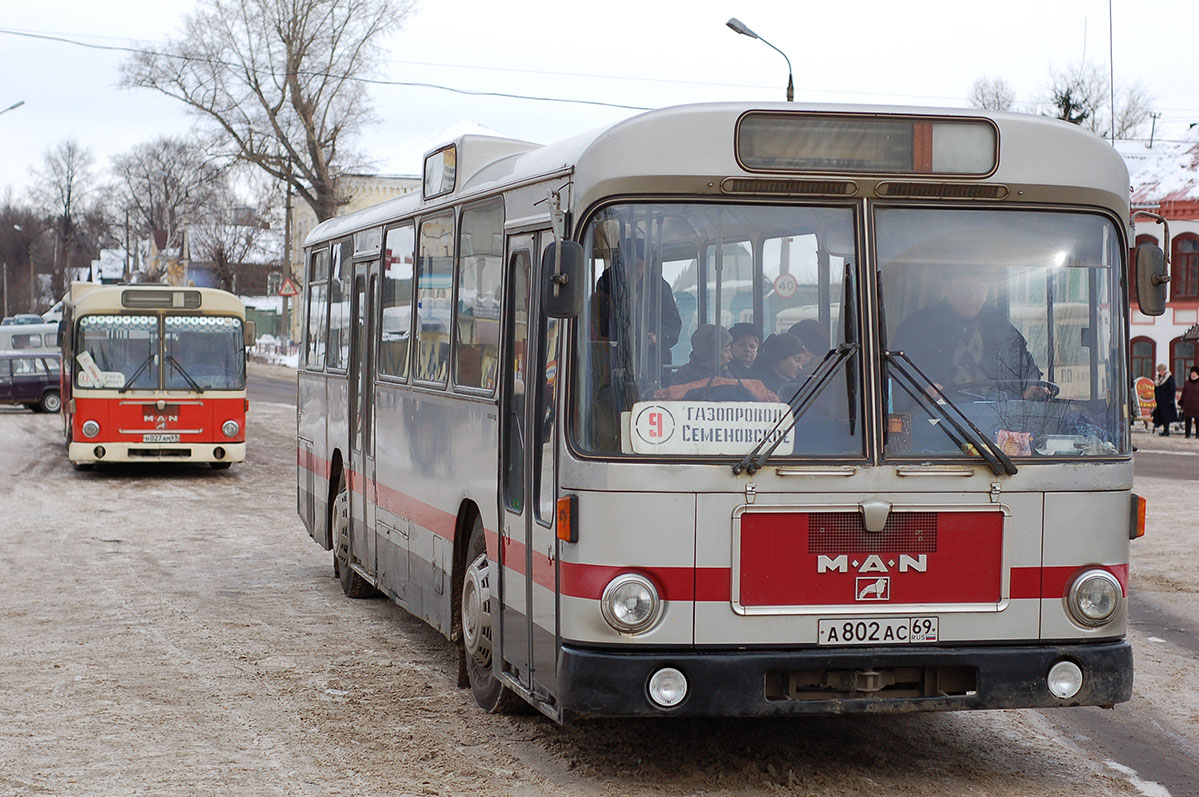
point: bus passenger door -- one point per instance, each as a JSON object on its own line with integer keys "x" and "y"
{"x": 362, "y": 437}
{"x": 528, "y": 578}
{"x": 514, "y": 530}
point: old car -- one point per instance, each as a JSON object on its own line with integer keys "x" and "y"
{"x": 30, "y": 379}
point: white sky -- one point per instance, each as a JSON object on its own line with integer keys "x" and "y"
{"x": 633, "y": 52}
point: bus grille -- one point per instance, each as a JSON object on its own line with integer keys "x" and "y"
{"x": 844, "y": 532}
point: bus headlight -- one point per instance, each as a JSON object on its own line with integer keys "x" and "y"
{"x": 1094, "y": 598}
{"x": 630, "y": 603}
{"x": 230, "y": 428}
{"x": 90, "y": 428}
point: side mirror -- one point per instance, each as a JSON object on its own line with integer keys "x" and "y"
{"x": 562, "y": 280}
{"x": 1151, "y": 279}
{"x": 250, "y": 337}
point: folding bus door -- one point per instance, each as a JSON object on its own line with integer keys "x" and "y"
{"x": 363, "y": 495}
{"x": 528, "y": 552}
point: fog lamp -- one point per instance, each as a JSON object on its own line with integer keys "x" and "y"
{"x": 630, "y": 603}
{"x": 90, "y": 428}
{"x": 667, "y": 687}
{"x": 1093, "y": 598}
{"x": 99, "y": 452}
{"x": 1065, "y": 679}
{"x": 218, "y": 452}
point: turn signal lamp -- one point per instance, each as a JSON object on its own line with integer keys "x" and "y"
{"x": 1136, "y": 528}
{"x": 568, "y": 512}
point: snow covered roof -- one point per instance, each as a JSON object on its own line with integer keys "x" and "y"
{"x": 1169, "y": 172}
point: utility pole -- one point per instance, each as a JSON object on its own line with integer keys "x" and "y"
{"x": 1153, "y": 128}
{"x": 5, "y": 290}
{"x": 287, "y": 256}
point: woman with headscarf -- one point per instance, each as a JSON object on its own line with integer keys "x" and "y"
{"x": 1165, "y": 413}
{"x": 710, "y": 355}
{"x": 780, "y": 361}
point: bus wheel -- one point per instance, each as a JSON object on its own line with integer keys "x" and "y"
{"x": 50, "y": 402}
{"x": 81, "y": 465}
{"x": 352, "y": 584}
{"x": 478, "y": 621}
{"x": 219, "y": 465}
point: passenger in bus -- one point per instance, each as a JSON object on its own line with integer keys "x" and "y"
{"x": 626, "y": 297}
{"x": 744, "y": 348}
{"x": 813, "y": 336}
{"x": 961, "y": 342}
{"x": 710, "y": 355}
{"x": 779, "y": 364}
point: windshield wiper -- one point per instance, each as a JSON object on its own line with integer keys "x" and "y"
{"x": 195, "y": 386}
{"x": 129, "y": 382}
{"x": 799, "y": 403}
{"x": 918, "y": 386}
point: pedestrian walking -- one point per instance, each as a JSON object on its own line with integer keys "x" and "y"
{"x": 1164, "y": 389}
{"x": 1190, "y": 402}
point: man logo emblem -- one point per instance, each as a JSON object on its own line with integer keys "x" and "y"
{"x": 873, "y": 589}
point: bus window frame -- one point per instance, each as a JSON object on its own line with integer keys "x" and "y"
{"x": 455, "y": 386}
{"x": 450, "y": 212}
{"x": 310, "y": 285}
{"x": 394, "y": 379}
{"x": 344, "y": 259}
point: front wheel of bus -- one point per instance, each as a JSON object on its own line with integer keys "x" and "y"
{"x": 478, "y": 611}
{"x": 352, "y": 584}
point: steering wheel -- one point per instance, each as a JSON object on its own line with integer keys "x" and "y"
{"x": 986, "y": 389}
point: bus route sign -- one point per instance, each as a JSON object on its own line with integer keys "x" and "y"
{"x": 703, "y": 427}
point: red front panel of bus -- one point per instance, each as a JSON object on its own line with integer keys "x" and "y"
{"x": 828, "y": 558}
{"x": 123, "y": 420}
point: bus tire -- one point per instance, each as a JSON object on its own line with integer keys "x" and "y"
{"x": 51, "y": 402}
{"x": 81, "y": 465}
{"x": 352, "y": 584}
{"x": 476, "y": 608}
{"x": 219, "y": 465}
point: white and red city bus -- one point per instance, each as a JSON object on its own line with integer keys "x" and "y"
{"x": 918, "y": 497}
{"x": 153, "y": 373}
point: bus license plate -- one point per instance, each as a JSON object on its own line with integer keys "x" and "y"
{"x": 160, "y": 437}
{"x": 880, "y": 631}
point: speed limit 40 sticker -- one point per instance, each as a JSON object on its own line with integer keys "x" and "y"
{"x": 881, "y": 631}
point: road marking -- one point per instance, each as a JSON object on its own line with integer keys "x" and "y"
{"x": 1146, "y": 787}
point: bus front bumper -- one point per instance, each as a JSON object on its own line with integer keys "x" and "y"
{"x": 80, "y": 453}
{"x": 754, "y": 682}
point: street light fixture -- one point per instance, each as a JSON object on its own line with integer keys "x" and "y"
{"x": 741, "y": 28}
{"x": 16, "y": 104}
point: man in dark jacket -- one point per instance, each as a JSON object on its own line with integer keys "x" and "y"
{"x": 627, "y": 300}
{"x": 960, "y": 341}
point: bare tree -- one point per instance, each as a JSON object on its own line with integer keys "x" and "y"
{"x": 164, "y": 184}
{"x": 63, "y": 189}
{"x": 236, "y": 233}
{"x": 992, "y": 94}
{"x": 21, "y": 240}
{"x": 279, "y": 81}
{"x": 1082, "y": 95}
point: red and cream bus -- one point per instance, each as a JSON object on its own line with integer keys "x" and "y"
{"x": 903, "y": 506}
{"x": 153, "y": 373}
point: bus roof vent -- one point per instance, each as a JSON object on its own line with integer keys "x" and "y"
{"x": 788, "y": 186}
{"x": 140, "y": 299}
{"x": 943, "y": 190}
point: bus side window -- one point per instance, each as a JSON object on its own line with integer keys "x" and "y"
{"x": 395, "y": 327}
{"x": 318, "y": 272}
{"x": 434, "y": 288}
{"x": 476, "y": 328}
{"x": 339, "y": 307}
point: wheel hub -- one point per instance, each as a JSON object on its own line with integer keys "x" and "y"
{"x": 476, "y": 611}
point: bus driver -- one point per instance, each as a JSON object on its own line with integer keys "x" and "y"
{"x": 960, "y": 342}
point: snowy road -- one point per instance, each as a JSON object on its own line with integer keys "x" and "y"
{"x": 179, "y": 633}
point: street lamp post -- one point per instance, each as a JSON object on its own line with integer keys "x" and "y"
{"x": 741, "y": 28}
{"x": 16, "y": 104}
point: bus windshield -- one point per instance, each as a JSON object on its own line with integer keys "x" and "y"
{"x": 204, "y": 352}
{"x": 704, "y": 321}
{"x": 118, "y": 351}
{"x": 1008, "y": 318}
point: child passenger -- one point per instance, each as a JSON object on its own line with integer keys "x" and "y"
{"x": 744, "y": 349}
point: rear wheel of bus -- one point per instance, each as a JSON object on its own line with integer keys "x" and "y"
{"x": 478, "y": 624}
{"x": 352, "y": 584}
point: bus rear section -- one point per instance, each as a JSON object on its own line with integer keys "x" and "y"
{"x": 154, "y": 374}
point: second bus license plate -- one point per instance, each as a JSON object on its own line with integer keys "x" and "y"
{"x": 160, "y": 437}
{"x": 878, "y": 631}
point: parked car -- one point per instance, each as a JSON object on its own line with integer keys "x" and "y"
{"x": 30, "y": 379}
{"x": 22, "y": 318}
